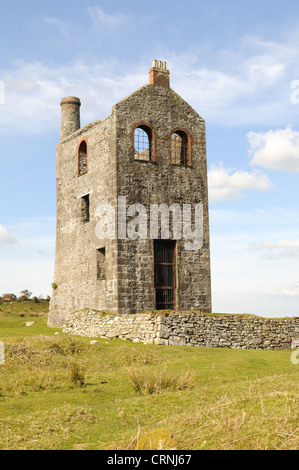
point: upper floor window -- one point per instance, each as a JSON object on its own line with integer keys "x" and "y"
{"x": 82, "y": 158}
{"x": 180, "y": 148}
{"x": 143, "y": 143}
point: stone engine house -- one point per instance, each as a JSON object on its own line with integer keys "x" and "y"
{"x": 151, "y": 150}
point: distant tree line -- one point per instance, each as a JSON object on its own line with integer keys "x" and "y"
{"x": 24, "y": 296}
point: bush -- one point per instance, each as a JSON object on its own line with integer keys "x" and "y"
{"x": 9, "y": 297}
{"x": 25, "y": 295}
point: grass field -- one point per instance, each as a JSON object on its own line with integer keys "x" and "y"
{"x": 60, "y": 392}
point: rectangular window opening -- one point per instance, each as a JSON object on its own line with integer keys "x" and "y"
{"x": 85, "y": 209}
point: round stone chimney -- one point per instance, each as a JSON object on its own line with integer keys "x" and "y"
{"x": 70, "y": 116}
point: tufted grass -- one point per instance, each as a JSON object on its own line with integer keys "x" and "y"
{"x": 148, "y": 382}
{"x": 59, "y": 392}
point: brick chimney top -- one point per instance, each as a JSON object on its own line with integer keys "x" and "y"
{"x": 158, "y": 74}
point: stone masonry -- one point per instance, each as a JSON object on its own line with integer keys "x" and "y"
{"x": 118, "y": 275}
{"x": 188, "y": 329}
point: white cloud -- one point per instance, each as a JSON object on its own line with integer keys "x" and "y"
{"x": 248, "y": 83}
{"x": 275, "y": 250}
{"x": 21, "y": 86}
{"x": 292, "y": 291}
{"x": 33, "y": 93}
{"x": 6, "y": 236}
{"x": 277, "y": 150}
{"x": 100, "y": 18}
{"x": 228, "y": 184}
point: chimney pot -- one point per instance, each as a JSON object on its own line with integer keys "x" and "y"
{"x": 158, "y": 74}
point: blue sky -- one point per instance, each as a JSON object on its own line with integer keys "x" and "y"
{"x": 234, "y": 61}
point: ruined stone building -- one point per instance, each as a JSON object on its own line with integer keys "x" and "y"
{"x": 150, "y": 151}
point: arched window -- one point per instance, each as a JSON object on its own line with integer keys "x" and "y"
{"x": 143, "y": 143}
{"x": 180, "y": 148}
{"x": 82, "y": 158}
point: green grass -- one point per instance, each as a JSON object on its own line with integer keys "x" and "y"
{"x": 14, "y": 315}
{"x": 207, "y": 398}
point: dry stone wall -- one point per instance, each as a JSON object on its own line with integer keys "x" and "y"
{"x": 188, "y": 329}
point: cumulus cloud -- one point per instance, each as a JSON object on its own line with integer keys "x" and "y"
{"x": 219, "y": 86}
{"x": 228, "y": 184}
{"x": 245, "y": 84}
{"x": 33, "y": 93}
{"x": 275, "y": 149}
{"x": 5, "y": 236}
{"x": 275, "y": 250}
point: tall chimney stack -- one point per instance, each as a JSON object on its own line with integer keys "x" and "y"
{"x": 70, "y": 116}
{"x": 158, "y": 74}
